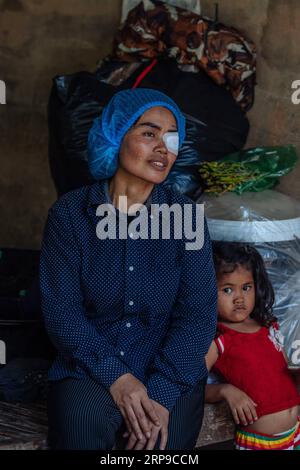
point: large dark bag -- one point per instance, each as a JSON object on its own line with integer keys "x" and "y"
{"x": 215, "y": 124}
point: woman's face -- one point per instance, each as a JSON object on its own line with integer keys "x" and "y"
{"x": 143, "y": 151}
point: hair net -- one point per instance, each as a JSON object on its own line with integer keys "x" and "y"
{"x": 108, "y": 130}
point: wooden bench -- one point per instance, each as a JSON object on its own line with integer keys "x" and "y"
{"x": 24, "y": 426}
{"x": 217, "y": 426}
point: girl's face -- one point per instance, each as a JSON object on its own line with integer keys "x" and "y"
{"x": 143, "y": 146}
{"x": 236, "y": 295}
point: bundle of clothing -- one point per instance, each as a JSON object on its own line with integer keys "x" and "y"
{"x": 155, "y": 29}
{"x": 152, "y": 45}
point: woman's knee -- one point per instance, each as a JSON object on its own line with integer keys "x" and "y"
{"x": 186, "y": 419}
{"x": 81, "y": 417}
{"x": 81, "y": 435}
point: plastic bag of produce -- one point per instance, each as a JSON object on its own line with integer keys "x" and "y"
{"x": 255, "y": 169}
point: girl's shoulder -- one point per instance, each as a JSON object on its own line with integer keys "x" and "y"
{"x": 222, "y": 327}
{"x": 224, "y": 337}
{"x": 224, "y": 331}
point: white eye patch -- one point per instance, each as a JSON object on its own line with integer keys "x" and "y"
{"x": 171, "y": 140}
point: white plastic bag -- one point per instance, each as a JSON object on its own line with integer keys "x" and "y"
{"x": 270, "y": 221}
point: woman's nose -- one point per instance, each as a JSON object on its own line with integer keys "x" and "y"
{"x": 161, "y": 147}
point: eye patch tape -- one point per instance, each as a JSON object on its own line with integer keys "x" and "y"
{"x": 171, "y": 140}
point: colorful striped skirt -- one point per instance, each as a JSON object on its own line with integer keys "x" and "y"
{"x": 288, "y": 440}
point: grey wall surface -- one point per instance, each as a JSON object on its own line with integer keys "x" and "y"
{"x": 38, "y": 40}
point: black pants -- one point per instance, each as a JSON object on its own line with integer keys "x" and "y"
{"x": 83, "y": 415}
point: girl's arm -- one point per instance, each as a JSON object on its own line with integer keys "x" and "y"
{"x": 211, "y": 356}
{"x": 241, "y": 406}
{"x": 215, "y": 392}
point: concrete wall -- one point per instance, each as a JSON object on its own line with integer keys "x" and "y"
{"x": 274, "y": 26}
{"x": 39, "y": 39}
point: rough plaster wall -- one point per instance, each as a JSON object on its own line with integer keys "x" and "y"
{"x": 274, "y": 26}
{"x": 40, "y": 38}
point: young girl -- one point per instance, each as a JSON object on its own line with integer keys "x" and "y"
{"x": 248, "y": 354}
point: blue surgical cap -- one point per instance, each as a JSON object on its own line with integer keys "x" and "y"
{"x": 118, "y": 116}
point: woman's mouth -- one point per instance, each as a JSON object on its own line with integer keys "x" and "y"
{"x": 158, "y": 165}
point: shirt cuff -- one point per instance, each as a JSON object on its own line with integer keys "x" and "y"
{"x": 163, "y": 391}
{"x": 110, "y": 369}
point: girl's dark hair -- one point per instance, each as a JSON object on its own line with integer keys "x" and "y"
{"x": 228, "y": 256}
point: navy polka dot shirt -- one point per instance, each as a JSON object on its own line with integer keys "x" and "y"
{"x": 134, "y": 305}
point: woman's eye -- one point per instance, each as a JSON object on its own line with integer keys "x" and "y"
{"x": 148, "y": 134}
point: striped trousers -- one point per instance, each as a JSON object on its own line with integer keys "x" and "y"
{"x": 82, "y": 415}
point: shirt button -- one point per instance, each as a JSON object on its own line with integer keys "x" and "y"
{"x": 130, "y": 268}
{"x": 128, "y": 325}
{"x": 122, "y": 353}
{"x": 151, "y": 216}
{"x": 131, "y": 234}
{"x": 131, "y": 302}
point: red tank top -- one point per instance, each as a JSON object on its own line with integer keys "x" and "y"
{"x": 254, "y": 362}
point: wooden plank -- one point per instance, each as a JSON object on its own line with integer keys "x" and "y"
{"x": 217, "y": 426}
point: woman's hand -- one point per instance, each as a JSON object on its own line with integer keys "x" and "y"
{"x": 241, "y": 405}
{"x": 130, "y": 396}
{"x": 135, "y": 444}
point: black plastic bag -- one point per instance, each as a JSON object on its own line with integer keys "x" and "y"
{"x": 215, "y": 125}
{"x": 75, "y": 101}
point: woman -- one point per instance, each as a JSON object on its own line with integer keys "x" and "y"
{"x": 131, "y": 318}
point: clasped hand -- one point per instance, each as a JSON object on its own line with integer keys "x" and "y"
{"x": 145, "y": 419}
